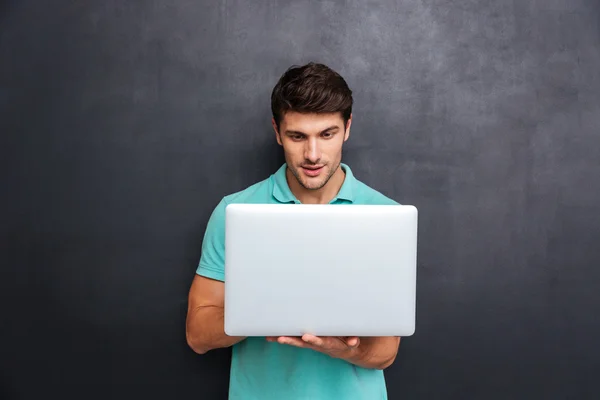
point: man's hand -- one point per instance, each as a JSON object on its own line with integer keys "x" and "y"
{"x": 335, "y": 346}
{"x": 366, "y": 352}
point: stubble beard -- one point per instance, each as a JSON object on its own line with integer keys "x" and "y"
{"x": 296, "y": 173}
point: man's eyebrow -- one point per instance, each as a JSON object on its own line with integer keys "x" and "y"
{"x": 331, "y": 128}
{"x": 288, "y": 132}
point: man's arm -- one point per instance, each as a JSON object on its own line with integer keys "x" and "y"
{"x": 205, "y": 318}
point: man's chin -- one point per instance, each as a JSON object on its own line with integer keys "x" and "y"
{"x": 308, "y": 182}
{"x": 313, "y": 186}
{"x": 314, "y": 183}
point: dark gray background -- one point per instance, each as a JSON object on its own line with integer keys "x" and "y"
{"x": 124, "y": 123}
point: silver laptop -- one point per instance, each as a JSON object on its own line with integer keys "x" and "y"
{"x": 327, "y": 270}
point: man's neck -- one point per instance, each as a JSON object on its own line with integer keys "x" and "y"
{"x": 320, "y": 196}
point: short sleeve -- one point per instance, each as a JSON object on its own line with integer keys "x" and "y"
{"x": 212, "y": 259}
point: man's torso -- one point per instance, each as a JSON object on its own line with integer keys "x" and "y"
{"x": 266, "y": 370}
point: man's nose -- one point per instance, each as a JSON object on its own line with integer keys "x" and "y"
{"x": 311, "y": 151}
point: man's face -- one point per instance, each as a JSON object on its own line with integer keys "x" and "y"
{"x": 312, "y": 144}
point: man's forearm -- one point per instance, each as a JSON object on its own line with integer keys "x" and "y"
{"x": 205, "y": 330}
{"x": 375, "y": 352}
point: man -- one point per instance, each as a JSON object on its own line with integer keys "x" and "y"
{"x": 312, "y": 115}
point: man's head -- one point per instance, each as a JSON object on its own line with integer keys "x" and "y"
{"x": 312, "y": 114}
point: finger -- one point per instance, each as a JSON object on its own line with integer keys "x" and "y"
{"x": 353, "y": 341}
{"x": 313, "y": 340}
{"x": 273, "y": 338}
{"x": 327, "y": 343}
{"x": 291, "y": 341}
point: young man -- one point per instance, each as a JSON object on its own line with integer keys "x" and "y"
{"x": 312, "y": 114}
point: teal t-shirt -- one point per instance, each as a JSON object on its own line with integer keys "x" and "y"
{"x": 264, "y": 370}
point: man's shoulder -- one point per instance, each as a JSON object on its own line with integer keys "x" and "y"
{"x": 260, "y": 191}
{"x": 369, "y": 195}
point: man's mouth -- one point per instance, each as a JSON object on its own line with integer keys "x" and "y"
{"x": 312, "y": 170}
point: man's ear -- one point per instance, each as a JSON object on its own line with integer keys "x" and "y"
{"x": 347, "y": 133}
{"x": 276, "y": 131}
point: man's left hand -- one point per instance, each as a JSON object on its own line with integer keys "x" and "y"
{"x": 334, "y": 346}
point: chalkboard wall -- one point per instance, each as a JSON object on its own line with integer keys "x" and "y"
{"x": 122, "y": 124}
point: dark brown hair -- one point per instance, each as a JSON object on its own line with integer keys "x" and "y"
{"x": 311, "y": 88}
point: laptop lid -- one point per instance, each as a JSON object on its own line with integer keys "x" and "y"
{"x": 328, "y": 270}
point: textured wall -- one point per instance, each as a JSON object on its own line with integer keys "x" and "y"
{"x": 122, "y": 125}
